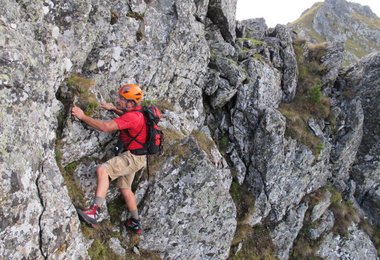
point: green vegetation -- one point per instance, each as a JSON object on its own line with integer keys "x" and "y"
{"x": 344, "y": 212}
{"x": 80, "y": 87}
{"x": 254, "y": 42}
{"x": 373, "y": 23}
{"x": 355, "y": 48}
{"x": 304, "y": 246}
{"x": 345, "y": 215}
{"x": 223, "y": 143}
{"x": 373, "y": 232}
{"x": 243, "y": 199}
{"x": 205, "y": 142}
{"x": 75, "y": 193}
{"x": 256, "y": 244}
{"x": 306, "y": 22}
{"x": 136, "y": 15}
{"x": 309, "y": 100}
{"x": 255, "y": 241}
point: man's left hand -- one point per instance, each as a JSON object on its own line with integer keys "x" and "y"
{"x": 77, "y": 112}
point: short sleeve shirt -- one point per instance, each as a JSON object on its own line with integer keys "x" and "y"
{"x": 134, "y": 122}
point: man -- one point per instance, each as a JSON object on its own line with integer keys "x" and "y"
{"x": 123, "y": 167}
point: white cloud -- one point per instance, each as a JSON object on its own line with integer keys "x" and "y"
{"x": 284, "y": 11}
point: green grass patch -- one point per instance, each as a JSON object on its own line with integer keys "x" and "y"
{"x": 75, "y": 193}
{"x": 223, "y": 143}
{"x": 309, "y": 101}
{"x": 373, "y": 23}
{"x": 373, "y": 232}
{"x": 253, "y": 41}
{"x": 304, "y": 246}
{"x": 243, "y": 199}
{"x": 205, "y": 142}
{"x": 256, "y": 244}
{"x": 306, "y": 22}
{"x": 80, "y": 86}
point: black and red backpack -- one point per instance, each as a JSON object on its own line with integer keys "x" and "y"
{"x": 155, "y": 136}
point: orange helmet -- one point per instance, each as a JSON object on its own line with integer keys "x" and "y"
{"x": 131, "y": 92}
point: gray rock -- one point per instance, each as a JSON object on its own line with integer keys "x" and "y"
{"x": 356, "y": 245}
{"x": 326, "y": 224}
{"x": 181, "y": 217}
{"x": 286, "y": 232}
{"x": 321, "y": 207}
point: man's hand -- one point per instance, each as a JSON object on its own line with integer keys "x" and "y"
{"x": 108, "y": 106}
{"x": 77, "y": 112}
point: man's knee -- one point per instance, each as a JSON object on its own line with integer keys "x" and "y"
{"x": 101, "y": 171}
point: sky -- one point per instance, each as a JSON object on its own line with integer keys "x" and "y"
{"x": 285, "y": 11}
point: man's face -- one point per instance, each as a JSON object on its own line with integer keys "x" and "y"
{"x": 126, "y": 103}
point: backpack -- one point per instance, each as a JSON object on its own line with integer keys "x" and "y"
{"x": 155, "y": 136}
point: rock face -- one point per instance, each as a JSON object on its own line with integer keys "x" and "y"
{"x": 342, "y": 21}
{"x": 221, "y": 86}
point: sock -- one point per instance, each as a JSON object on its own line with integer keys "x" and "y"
{"x": 99, "y": 201}
{"x": 135, "y": 214}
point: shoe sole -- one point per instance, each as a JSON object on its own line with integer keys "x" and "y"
{"x": 85, "y": 218}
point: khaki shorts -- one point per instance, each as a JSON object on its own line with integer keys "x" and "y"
{"x": 123, "y": 168}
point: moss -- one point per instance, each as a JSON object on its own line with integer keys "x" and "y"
{"x": 345, "y": 215}
{"x": 205, "y": 142}
{"x": 223, "y": 143}
{"x": 254, "y": 42}
{"x": 372, "y": 231}
{"x": 304, "y": 246}
{"x": 297, "y": 126}
{"x": 243, "y": 199}
{"x": 100, "y": 250}
{"x": 116, "y": 208}
{"x": 373, "y": 23}
{"x": 256, "y": 243}
{"x": 91, "y": 108}
{"x": 309, "y": 101}
{"x": 336, "y": 196}
{"x": 80, "y": 87}
{"x": 114, "y": 17}
{"x": 75, "y": 192}
{"x": 136, "y": 15}
{"x": 306, "y": 22}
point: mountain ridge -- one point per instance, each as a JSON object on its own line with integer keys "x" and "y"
{"x": 341, "y": 21}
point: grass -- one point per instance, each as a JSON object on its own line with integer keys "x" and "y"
{"x": 306, "y": 21}
{"x": 373, "y": 232}
{"x": 243, "y": 200}
{"x": 80, "y": 86}
{"x": 223, "y": 143}
{"x": 205, "y": 142}
{"x": 309, "y": 101}
{"x": 75, "y": 193}
{"x": 304, "y": 246}
{"x": 254, "y": 42}
{"x": 256, "y": 244}
{"x": 373, "y": 23}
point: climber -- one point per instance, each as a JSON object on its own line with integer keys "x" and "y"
{"x": 123, "y": 166}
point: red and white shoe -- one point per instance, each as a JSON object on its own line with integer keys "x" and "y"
{"x": 90, "y": 216}
{"x": 134, "y": 224}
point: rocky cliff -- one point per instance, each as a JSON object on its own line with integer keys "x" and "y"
{"x": 271, "y": 150}
{"x": 356, "y": 26}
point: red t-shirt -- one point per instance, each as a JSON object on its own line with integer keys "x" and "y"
{"x": 134, "y": 122}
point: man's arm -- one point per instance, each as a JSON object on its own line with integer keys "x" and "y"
{"x": 112, "y": 107}
{"x": 101, "y": 125}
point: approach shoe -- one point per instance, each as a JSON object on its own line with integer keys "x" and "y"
{"x": 91, "y": 215}
{"x": 134, "y": 225}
